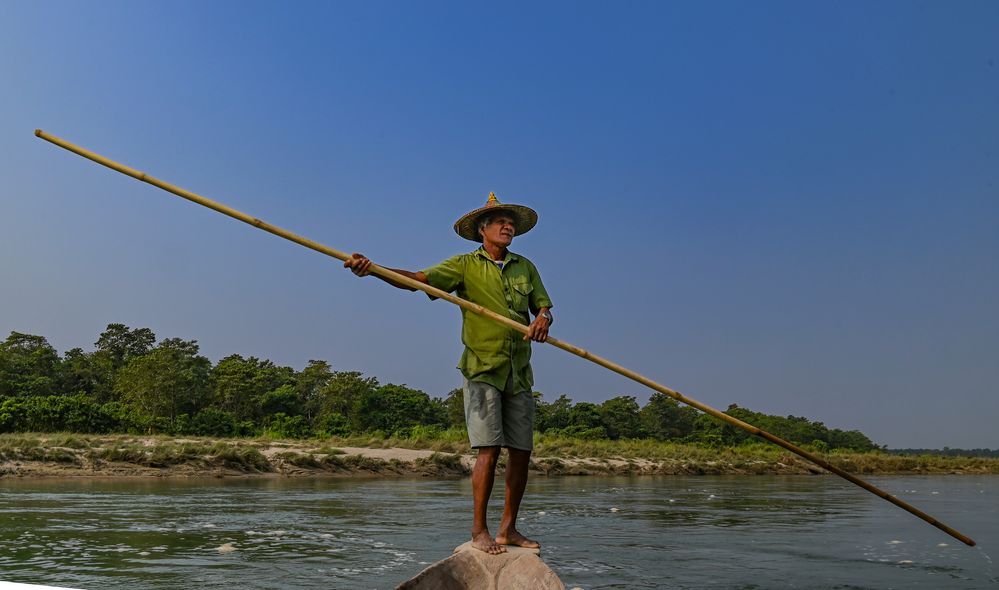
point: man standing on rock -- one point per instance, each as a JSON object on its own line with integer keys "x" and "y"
{"x": 499, "y": 405}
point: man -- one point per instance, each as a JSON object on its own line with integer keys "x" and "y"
{"x": 499, "y": 405}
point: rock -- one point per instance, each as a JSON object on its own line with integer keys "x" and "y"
{"x": 468, "y": 568}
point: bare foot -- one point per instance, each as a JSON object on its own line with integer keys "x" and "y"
{"x": 512, "y": 537}
{"x": 484, "y": 542}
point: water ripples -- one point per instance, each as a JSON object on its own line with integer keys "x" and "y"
{"x": 642, "y": 532}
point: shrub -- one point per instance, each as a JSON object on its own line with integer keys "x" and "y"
{"x": 333, "y": 425}
{"x": 213, "y": 422}
{"x": 53, "y": 413}
{"x": 284, "y": 426}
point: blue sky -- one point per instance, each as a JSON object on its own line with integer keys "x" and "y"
{"x": 788, "y": 206}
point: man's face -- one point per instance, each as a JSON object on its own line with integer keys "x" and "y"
{"x": 499, "y": 231}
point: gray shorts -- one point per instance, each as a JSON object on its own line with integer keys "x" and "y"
{"x": 499, "y": 418}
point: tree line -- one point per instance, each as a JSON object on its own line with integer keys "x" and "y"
{"x": 947, "y": 452}
{"x": 130, "y": 383}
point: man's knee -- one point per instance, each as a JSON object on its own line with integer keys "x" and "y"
{"x": 489, "y": 454}
{"x": 519, "y": 457}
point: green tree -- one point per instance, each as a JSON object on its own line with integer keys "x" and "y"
{"x": 710, "y": 431}
{"x": 309, "y": 382}
{"x": 103, "y": 372}
{"x": 95, "y": 372}
{"x": 392, "y": 408}
{"x": 282, "y": 426}
{"x": 213, "y": 422}
{"x": 338, "y": 398}
{"x": 28, "y": 366}
{"x": 554, "y": 416}
{"x": 283, "y": 400}
{"x": 240, "y": 384}
{"x": 170, "y": 380}
{"x": 585, "y": 415}
{"x": 733, "y": 435}
{"x": 619, "y": 417}
{"x": 454, "y": 406}
{"x": 851, "y": 439}
{"x": 584, "y": 422}
{"x": 53, "y": 413}
{"x": 664, "y": 418}
{"x": 120, "y": 344}
{"x": 79, "y": 374}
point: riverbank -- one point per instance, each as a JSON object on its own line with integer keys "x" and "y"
{"x": 45, "y": 455}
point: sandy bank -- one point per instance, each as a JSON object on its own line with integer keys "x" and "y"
{"x": 45, "y": 455}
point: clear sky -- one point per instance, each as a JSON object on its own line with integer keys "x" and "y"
{"x": 789, "y": 206}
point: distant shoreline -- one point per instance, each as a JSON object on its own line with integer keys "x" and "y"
{"x": 75, "y": 455}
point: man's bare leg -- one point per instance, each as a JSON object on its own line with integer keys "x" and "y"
{"x": 482, "y": 486}
{"x": 516, "y": 481}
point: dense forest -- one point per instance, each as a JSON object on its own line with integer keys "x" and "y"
{"x": 130, "y": 383}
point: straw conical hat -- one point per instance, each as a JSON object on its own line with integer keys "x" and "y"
{"x": 524, "y": 218}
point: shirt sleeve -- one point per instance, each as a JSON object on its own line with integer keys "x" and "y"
{"x": 539, "y": 296}
{"x": 447, "y": 275}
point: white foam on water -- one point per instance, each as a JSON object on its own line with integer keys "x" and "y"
{"x": 942, "y": 545}
{"x": 895, "y": 542}
{"x": 326, "y": 536}
{"x": 988, "y": 563}
{"x": 143, "y": 553}
{"x": 905, "y": 561}
{"x": 541, "y": 512}
{"x": 615, "y": 509}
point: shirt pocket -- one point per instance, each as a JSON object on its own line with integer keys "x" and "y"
{"x": 521, "y": 296}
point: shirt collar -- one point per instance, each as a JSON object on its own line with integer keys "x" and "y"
{"x": 510, "y": 256}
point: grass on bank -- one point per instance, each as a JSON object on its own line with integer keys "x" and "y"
{"x": 759, "y": 457}
{"x": 97, "y": 452}
{"x": 552, "y": 454}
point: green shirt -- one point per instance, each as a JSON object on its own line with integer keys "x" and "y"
{"x": 491, "y": 349}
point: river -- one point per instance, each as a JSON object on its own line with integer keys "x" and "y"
{"x": 742, "y": 532}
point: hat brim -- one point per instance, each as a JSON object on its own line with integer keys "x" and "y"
{"x": 524, "y": 219}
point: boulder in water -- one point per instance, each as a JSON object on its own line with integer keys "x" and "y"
{"x": 468, "y": 568}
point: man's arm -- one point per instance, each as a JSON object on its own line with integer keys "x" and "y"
{"x": 540, "y": 305}
{"x": 538, "y": 330}
{"x": 360, "y": 265}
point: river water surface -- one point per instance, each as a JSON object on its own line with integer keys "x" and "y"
{"x": 597, "y": 532}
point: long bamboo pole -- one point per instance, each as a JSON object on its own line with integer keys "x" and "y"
{"x": 480, "y": 310}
